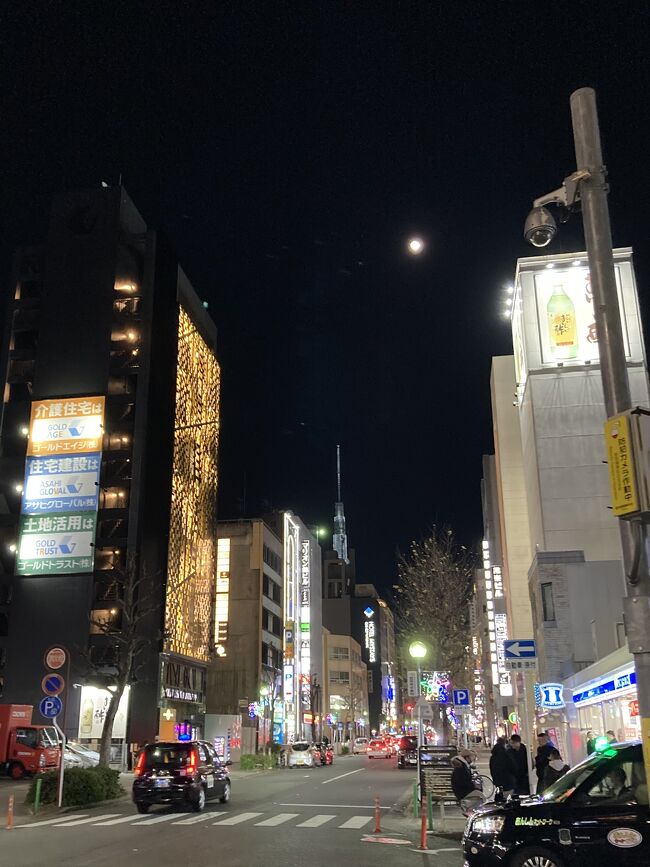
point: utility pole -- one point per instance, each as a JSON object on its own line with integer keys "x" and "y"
{"x": 598, "y": 238}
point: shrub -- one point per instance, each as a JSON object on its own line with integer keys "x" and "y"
{"x": 248, "y": 762}
{"x": 80, "y": 786}
{"x": 345, "y": 751}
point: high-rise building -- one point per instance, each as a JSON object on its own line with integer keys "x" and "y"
{"x": 108, "y": 482}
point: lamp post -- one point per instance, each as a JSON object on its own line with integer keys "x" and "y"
{"x": 588, "y": 185}
{"x": 418, "y": 651}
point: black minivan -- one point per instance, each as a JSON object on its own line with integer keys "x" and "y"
{"x": 183, "y": 774}
{"x": 596, "y": 814}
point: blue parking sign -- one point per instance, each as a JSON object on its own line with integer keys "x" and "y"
{"x": 50, "y": 706}
{"x": 461, "y": 697}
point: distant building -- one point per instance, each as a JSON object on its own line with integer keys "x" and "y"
{"x": 346, "y": 713}
{"x": 108, "y": 466}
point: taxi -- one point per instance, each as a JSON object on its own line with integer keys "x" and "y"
{"x": 596, "y": 814}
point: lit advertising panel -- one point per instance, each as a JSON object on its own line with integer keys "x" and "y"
{"x": 93, "y": 709}
{"x": 553, "y": 319}
{"x": 61, "y": 487}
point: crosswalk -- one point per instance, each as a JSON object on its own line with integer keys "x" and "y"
{"x": 221, "y": 819}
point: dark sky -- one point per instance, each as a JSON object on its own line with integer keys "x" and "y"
{"x": 288, "y": 150}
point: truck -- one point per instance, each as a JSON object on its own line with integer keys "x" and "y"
{"x": 26, "y": 748}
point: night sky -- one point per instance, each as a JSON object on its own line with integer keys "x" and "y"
{"x": 289, "y": 150}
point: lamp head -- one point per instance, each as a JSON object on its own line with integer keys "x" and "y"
{"x": 540, "y": 227}
{"x": 417, "y": 650}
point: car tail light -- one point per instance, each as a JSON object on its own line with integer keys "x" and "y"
{"x": 193, "y": 763}
{"x": 139, "y": 768}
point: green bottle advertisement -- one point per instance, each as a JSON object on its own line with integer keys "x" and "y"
{"x": 562, "y": 327}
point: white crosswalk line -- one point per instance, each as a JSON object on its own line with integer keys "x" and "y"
{"x": 202, "y": 817}
{"x": 236, "y": 820}
{"x": 89, "y": 821}
{"x": 280, "y": 819}
{"x": 154, "y": 820}
{"x": 317, "y": 821}
{"x": 59, "y": 820}
{"x": 356, "y": 822}
{"x": 122, "y": 820}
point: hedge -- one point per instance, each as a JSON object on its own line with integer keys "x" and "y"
{"x": 80, "y": 786}
{"x": 250, "y": 761}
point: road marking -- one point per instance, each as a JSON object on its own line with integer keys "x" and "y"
{"x": 317, "y": 821}
{"x": 236, "y": 820}
{"x": 89, "y": 821}
{"x": 434, "y": 851}
{"x": 356, "y": 822}
{"x": 166, "y": 817}
{"x": 201, "y": 817}
{"x": 338, "y": 806}
{"x": 340, "y": 777}
{"x": 130, "y": 818}
{"x": 58, "y": 820}
{"x": 276, "y": 820}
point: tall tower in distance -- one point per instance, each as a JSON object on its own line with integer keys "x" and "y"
{"x": 339, "y": 538}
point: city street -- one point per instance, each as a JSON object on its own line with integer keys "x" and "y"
{"x": 278, "y": 818}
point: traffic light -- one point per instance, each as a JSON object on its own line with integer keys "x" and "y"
{"x": 408, "y": 707}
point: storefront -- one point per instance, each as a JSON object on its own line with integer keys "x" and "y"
{"x": 182, "y": 698}
{"x": 604, "y": 699}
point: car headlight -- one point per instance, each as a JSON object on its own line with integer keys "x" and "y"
{"x": 488, "y": 824}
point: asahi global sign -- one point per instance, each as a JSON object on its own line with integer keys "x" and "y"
{"x": 181, "y": 681}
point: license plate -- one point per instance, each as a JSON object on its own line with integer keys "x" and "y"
{"x": 162, "y": 784}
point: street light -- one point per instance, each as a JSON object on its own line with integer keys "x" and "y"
{"x": 588, "y": 186}
{"x": 415, "y": 246}
{"x": 418, "y": 651}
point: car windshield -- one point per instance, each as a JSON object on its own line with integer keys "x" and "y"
{"x": 408, "y": 744}
{"x": 300, "y": 746}
{"x": 573, "y": 779}
{"x": 49, "y": 737}
{"x": 166, "y": 756}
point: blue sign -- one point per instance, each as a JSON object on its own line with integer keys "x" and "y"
{"x": 50, "y": 706}
{"x": 550, "y": 695}
{"x": 368, "y": 611}
{"x": 461, "y": 697}
{"x": 52, "y": 684}
{"x": 520, "y": 648}
{"x": 61, "y": 484}
{"x": 621, "y": 683}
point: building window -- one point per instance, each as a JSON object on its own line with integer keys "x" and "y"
{"x": 371, "y": 682}
{"x": 335, "y": 590}
{"x": 620, "y": 634}
{"x": 339, "y": 653}
{"x": 548, "y": 605}
{"x": 339, "y": 677}
{"x": 272, "y": 559}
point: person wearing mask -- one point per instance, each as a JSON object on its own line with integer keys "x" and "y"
{"x": 591, "y": 742}
{"x": 462, "y": 783}
{"x": 518, "y": 753}
{"x": 611, "y": 737}
{"x": 502, "y": 770}
{"x": 544, "y": 747}
{"x": 555, "y": 769}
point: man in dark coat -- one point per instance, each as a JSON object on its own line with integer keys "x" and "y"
{"x": 544, "y": 748}
{"x": 502, "y": 769}
{"x": 518, "y": 753}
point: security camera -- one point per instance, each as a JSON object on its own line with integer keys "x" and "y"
{"x": 540, "y": 227}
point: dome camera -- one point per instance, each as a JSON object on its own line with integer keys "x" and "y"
{"x": 540, "y": 227}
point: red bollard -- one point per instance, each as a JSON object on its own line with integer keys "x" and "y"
{"x": 423, "y": 826}
{"x": 377, "y": 817}
{"x": 10, "y": 813}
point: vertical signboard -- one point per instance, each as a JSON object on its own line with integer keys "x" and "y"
{"x": 61, "y": 487}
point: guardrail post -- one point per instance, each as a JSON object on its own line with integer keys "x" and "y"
{"x": 430, "y": 811}
{"x": 423, "y": 827}
{"x": 10, "y": 813}
{"x": 377, "y": 817}
{"x": 37, "y": 795}
{"x": 415, "y": 801}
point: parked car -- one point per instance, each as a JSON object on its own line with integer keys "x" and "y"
{"x": 89, "y": 758}
{"x": 184, "y": 774}
{"x": 300, "y": 755}
{"x": 407, "y": 754}
{"x": 360, "y": 746}
{"x": 597, "y": 813}
{"x": 379, "y": 749}
{"x": 72, "y": 760}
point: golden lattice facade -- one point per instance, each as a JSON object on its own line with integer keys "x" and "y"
{"x": 189, "y": 619}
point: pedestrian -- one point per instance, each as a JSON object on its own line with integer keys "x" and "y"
{"x": 462, "y": 782}
{"x": 555, "y": 769}
{"x": 502, "y": 769}
{"x": 544, "y": 747}
{"x": 591, "y": 742}
{"x": 611, "y": 737}
{"x": 518, "y": 753}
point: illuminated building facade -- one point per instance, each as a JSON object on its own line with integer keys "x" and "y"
{"x": 102, "y": 315}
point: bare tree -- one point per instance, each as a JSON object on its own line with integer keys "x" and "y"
{"x": 136, "y": 601}
{"x": 432, "y": 600}
{"x": 271, "y": 684}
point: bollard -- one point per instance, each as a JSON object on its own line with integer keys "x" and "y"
{"x": 430, "y": 811}
{"x": 37, "y": 795}
{"x": 377, "y": 817}
{"x": 423, "y": 827}
{"x": 10, "y": 813}
{"x": 415, "y": 801}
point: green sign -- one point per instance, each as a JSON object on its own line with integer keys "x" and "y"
{"x": 56, "y": 544}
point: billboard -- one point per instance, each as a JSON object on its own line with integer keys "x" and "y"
{"x": 92, "y": 713}
{"x": 61, "y": 487}
{"x": 553, "y": 318}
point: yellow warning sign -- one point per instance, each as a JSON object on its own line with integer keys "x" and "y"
{"x": 620, "y": 460}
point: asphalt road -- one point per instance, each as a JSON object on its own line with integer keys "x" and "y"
{"x": 289, "y": 818}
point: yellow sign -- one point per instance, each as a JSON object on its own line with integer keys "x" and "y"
{"x": 66, "y": 426}
{"x": 620, "y": 460}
